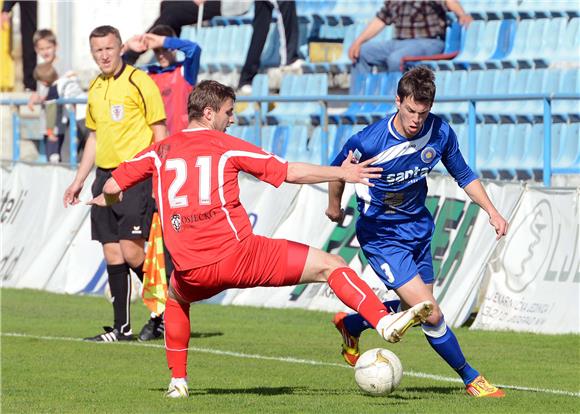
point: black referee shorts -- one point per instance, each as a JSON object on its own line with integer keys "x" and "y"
{"x": 128, "y": 220}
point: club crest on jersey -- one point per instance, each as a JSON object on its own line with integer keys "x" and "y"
{"x": 176, "y": 222}
{"x": 117, "y": 112}
{"x": 428, "y": 154}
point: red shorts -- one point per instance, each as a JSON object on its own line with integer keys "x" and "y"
{"x": 260, "y": 261}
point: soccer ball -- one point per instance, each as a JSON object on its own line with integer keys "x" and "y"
{"x": 378, "y": 371}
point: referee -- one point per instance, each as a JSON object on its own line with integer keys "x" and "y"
{"x": 125, "y": 114}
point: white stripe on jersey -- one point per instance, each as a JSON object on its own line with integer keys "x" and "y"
{"x": 221, "y": 167}
{"x": 404, "y": 148}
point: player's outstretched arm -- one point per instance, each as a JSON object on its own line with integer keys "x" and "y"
{"x": 303, "y": 173}
{"x": 111, "y": 194}
{"x": 477, "y": 193}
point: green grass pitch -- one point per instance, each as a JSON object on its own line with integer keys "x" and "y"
{"x": 252, "y": 360}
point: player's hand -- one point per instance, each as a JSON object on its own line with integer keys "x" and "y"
{"x": 499, "y": 224}
{"x": 71, "y": 194}
{"x": 335, "y": 215}
{"x": 354, "y": 51}
{"x": 154, "y": 41}
{"x": 359, "y": 172}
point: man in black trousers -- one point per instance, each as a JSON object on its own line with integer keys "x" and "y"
{"x": 288, "y": 37}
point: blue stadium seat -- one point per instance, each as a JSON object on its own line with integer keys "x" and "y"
{"x": 568, "y": 51}
{"x": 547, "y": 8}
{"x": 470, "y": 45}
{"x": 343, "y": 133}
{"x": 388, "y": 88}
{"x": 498, "y": 151}
{"x": 299, "y": 112}
{"x": 343, "y": 64}
{"x": 520, "y": 44}
{"x": 361, "y": 112}
{"x": 259, "y": 88}
{"x": 552, "y": 42}
{"x": 297, "y": 148}
{"x": 485, "y": 136}
{"x": 315, "y": 144}
{"x": 568, "y": 155}
{"x": 475, "y": 56}
{"x": 568, "y": 110}
{"x": 530, "y": 166}
{"x": 505, "y": 43}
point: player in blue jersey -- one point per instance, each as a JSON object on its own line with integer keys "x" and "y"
{"x": 395, "y": 228}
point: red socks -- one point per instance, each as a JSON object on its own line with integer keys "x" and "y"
{"x": 356, "y": 294}
{"x": 177, "y": 330}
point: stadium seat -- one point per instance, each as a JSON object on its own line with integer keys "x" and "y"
{"x": 315, "y": 144}
{"x": 505, "y": 43}
{"x": 485, "y": 137}
{"x": 361, "y": 112}
{"x": 388, "y": 87}
{"x": 299, "y": 112}
{"x": 474, "y": 56}
{"x": 297, "y": 148}
{"x": 567, "y": 110}
{"x": 568, "y": 144}
{"x": 552, "y": 42}
{"x": 530, "y": 166}
{"x": 259, "y": 88}
{"x": 471, "y": 40}
{"x": 498, "y": 151}
{"x": 343, "y": 133}
{"x": 521, "y": 44}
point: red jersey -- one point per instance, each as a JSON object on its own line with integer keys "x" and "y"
{"x": 175, "y": 92}
{"x": 195, "y": 179}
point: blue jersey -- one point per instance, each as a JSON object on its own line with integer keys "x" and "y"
{"x": 395, "y": 228}
{"x": 401, "y": 191}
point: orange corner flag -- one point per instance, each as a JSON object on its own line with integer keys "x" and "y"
{"x": 154, "y": 277}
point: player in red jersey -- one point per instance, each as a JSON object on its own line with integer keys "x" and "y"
{"x": 209, "y": 235}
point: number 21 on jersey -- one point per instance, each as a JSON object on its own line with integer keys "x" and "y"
{"x": 179, "y": 165}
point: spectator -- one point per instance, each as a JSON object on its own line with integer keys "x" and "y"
{"x": 125, "y": 114}
{"x": 174, "y": 79}
{"x": 182, "y": 13}
{"x": 419, "y": 30}
{"x": 45, "y": 46}
{"x": 64, "y": 87}
{"x": 28, "y": 21}
{"x": 261, "y": 24}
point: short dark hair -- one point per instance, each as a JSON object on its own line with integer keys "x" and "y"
{"x": 44, "y": 34}
{"x": 103, "y": 31}
{"x": 418, "y": 83}
{"x": 45, "y": 72}
{"x": 208, "y": 93}
{"x": 163, "y": 30}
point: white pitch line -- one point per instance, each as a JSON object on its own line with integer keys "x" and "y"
{"x": 288, "y": 359}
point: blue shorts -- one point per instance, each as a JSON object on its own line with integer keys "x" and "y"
{"x": 398, "y": 251}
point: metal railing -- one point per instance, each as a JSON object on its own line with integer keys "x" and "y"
{"x": 324, "y": 100}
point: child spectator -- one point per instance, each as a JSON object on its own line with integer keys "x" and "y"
{"x": 65, "y": 87}
{"x": 174, "y": 79}
{"x": 45, "y": 46}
